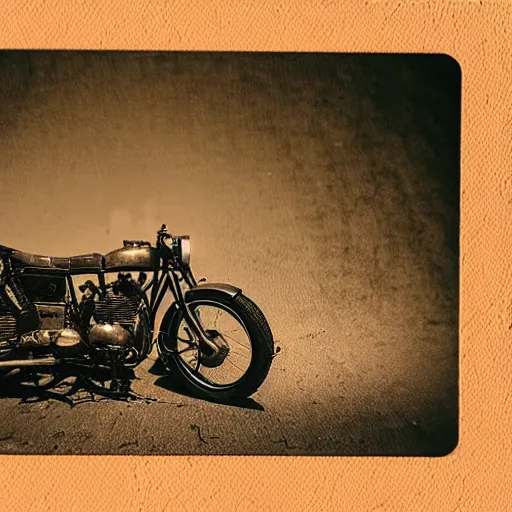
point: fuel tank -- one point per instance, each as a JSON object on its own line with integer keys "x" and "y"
{"x": 132, "y": 258}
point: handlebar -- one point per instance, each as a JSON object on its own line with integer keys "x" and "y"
{"x": 163, "y": 234}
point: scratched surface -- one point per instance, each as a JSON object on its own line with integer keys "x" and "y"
{"x": 326, "y": 187}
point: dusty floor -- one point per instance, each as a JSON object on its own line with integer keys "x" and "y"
{"x": 325, "y": 188}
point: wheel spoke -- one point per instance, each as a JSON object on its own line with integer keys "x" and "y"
{"x": 231, "y": 362}
{"x": 246, "y": 348}
{"x": 240, "y": 354}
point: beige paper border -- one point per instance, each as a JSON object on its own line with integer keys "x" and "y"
{"x": 477, "y": 475}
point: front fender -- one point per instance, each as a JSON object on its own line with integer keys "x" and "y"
{"x": 201, "y": 288}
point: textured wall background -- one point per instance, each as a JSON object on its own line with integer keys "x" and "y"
{"x": 474, "y": 477}
{"x": 327, "y": 186}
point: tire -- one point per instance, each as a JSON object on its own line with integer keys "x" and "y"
{"x": 256, "y": 326}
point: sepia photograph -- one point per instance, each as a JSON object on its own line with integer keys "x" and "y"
{"x": 229, "y": 253}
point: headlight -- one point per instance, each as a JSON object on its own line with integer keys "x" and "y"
{"x": 182, "y": 248}
{"x": 2, "y": 268}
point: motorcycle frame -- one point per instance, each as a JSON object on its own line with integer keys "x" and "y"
{"x": 160, "y": 284}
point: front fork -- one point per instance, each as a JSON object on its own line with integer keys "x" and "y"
{"x": 213, "y": 347}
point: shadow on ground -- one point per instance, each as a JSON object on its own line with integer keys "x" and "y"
{"x": 166, "y": 382}
{"x": 65, "y": 385}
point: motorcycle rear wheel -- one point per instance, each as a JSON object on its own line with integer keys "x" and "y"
{"x": 250, "y": 317}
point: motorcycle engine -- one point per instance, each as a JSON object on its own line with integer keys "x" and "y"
{"x": 7, "y": 323}
{"x": 117, "y": 319}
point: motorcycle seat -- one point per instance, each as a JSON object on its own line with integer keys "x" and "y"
{"x": 84, "y": 262}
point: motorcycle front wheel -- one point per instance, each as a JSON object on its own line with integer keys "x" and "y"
{"x": 247, "y": 364}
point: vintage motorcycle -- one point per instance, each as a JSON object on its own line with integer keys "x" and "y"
{"x": 45, "y": 328}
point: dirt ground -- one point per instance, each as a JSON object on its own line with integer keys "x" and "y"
{"x": 325, "y": 186}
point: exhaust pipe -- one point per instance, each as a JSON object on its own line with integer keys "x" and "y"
{"x": 16, "y": 363}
